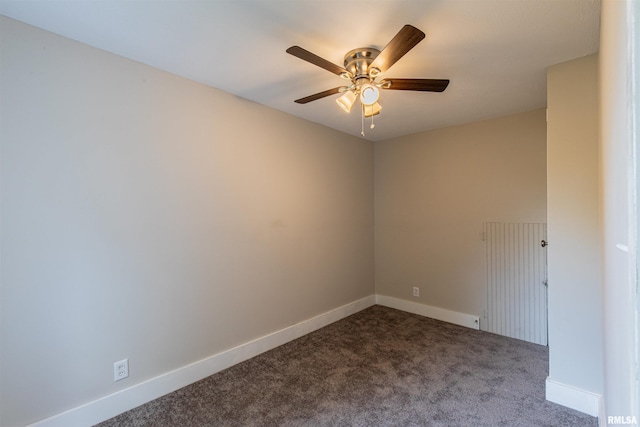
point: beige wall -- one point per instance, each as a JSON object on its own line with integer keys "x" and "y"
{"x": 574, "y": 257}
{"x": 146, "y": 216}
{"x": 434, "y": 190}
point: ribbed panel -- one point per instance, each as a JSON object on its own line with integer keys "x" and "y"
{"x": 516, "y": 280}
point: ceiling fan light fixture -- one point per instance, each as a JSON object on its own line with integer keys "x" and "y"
{"x": 369, "y": 94}
{"x": 346, "y": 100}
{"x": 372, "y": 110}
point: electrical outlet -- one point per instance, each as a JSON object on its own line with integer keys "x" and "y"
{"x": 121, "y": 370}
{"x": 416, "y": 291}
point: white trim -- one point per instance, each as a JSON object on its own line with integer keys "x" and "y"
{"x": 602, "y": 418}
{"x": 573, "y": 397}
{"x": 455, "y": 317}
{"x": 109, "y": 406}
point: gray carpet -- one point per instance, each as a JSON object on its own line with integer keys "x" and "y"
{"x": 379, "y": 367}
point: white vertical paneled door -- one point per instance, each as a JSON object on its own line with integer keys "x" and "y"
{"x": 516, "y": 268}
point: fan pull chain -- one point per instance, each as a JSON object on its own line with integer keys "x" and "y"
{"x": 372, "y": 125}
{"x": 362, "y": 131}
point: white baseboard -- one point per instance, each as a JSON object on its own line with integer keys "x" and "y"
{"x": 136, "y": 395}
{"x": 573, "y": 397}
{"x": 457, "y": 318}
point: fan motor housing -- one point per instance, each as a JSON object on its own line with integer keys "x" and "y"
{"x": 357, "y": 62}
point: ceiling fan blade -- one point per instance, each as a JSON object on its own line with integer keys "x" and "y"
{"x": 315, "y": 60}
{"x": 320, "y": 95}
{"x": 403, "y": 42}
{"x": 425, "y": 85}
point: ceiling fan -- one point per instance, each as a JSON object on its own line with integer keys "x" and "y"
{"x": 363, "y": 66}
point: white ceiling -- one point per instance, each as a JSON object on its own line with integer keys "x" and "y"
{"x": 495, "y": 52}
